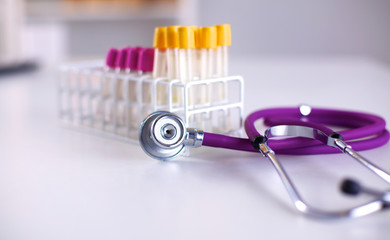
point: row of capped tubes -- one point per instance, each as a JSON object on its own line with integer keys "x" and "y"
{"x": 180, "y": 55}
{"x": 189, "y": 53}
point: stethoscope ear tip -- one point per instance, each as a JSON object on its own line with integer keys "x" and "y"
{"x": 350, "y": 187}
{"x": 162, "y": 135}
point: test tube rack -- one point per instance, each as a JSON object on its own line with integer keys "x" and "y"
{"x": 114, "y": 104}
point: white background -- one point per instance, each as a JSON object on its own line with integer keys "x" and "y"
{"x": 303, "y": 27}
{"x": 260, "y": 28}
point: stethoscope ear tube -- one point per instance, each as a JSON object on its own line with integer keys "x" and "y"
{"x": 365, "y": 131}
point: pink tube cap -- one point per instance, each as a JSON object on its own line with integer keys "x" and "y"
{"x": 132, "y": 58}
{"x": 145, "y": 61}
{"x": 111, "y": 57}
{"x": 122, "y": 58}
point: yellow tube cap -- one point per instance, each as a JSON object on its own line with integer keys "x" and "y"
{"x": 208, "y": 37}
{"x": 196, "y": 34}
{"x": 224, "y": 36}
{"x": 172, "y": 37}
{"x": 160, "y": 38}
{"x": 186, "y": 37}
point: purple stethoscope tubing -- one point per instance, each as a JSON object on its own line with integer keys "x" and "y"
{"x": 365, "y": 131}
{"x": 303, "y": 130}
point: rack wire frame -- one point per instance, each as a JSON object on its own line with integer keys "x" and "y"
{"x": 87, "y": 103}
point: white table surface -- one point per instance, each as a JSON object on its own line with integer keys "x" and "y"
{"x": 56, "y": 183}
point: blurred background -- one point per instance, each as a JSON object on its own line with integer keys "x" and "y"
{"x": 52, "y": 31}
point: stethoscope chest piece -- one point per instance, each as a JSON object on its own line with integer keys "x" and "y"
{"x": 162, "y": 135}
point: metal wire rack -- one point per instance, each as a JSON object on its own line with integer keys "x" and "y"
{"x": 114, "y": 103}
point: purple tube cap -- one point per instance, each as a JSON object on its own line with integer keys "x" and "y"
{"x": 122, "y": 58}
{"x": 111, "y": 57}
{"x": 145, "y": 61}
{"x": 132, "y": 58}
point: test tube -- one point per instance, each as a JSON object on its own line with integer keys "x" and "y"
{"x": 206, "y": 39}
{"x": 224, "y": 40}
{"x": 96, "y": 84}
{"x": 110, "y": 105}
{"x": 145, "y": 66}
{"x": 119, "y": 86}
{"x": 196, "y": 57}
{"x": 110, "y": 67}
{"x": 223, "y": 43}
{"x": 160, "y": 59}
{"x": 172, "y": 52}
{"x": 208, "y": 44}
{"x": 173, "y": 60}
{"x": 104, "y": 86}
{"x": 186, "y": 55}
{"x": 121, "y": 66}
{"x": 132, "y": 87}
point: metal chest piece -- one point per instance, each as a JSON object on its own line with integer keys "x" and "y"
{"x": 162, "y": 135}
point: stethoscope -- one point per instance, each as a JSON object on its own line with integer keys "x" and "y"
{"x": 303, "y": 130}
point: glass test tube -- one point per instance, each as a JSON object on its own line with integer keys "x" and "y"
{"x": 132, "y": 88}
{"x": 196, "y": 62}
{"x": 173, "y": 60}
{"x": 208, "y": 44}
{"x": 111, "y": 67}
{"x": 145, "y": 67}
{"x": 149, "y": 92}
{"x": 115, "y": 90}
{"x": 223, "y": 42}
{"x": 122, "y": 69}
{"x": 186, "y": 57}
{"x": 160, "y": 60}
{"x": 222, "y": 61}
{"x": 206, "y": 41}
{"x": 119, "y": 105}
{"x": 98, "y": 100}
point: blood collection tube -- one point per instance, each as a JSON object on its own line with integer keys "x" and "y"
{"x": 121, "y": 66}
{"x": 145, "y": 66}
{"x": 104, "y": 86}
{"x": 196, "y": 57}
{"x": 172, "y": 52}
{"x": 132, "y": 87}
{"x": 172, "y": 61}
{"x": 207, "y": 44}
{"x": 224, "y": 40}
{"x": 120, "y": 86}
{"x": 132, "y": 67}
{"x": 160, "y": 59}
{"x": 110, "y": 67}
{"x": 132, "y": 59}
{"x": 186, "y": 53}
{"x": 186, "y": 59}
